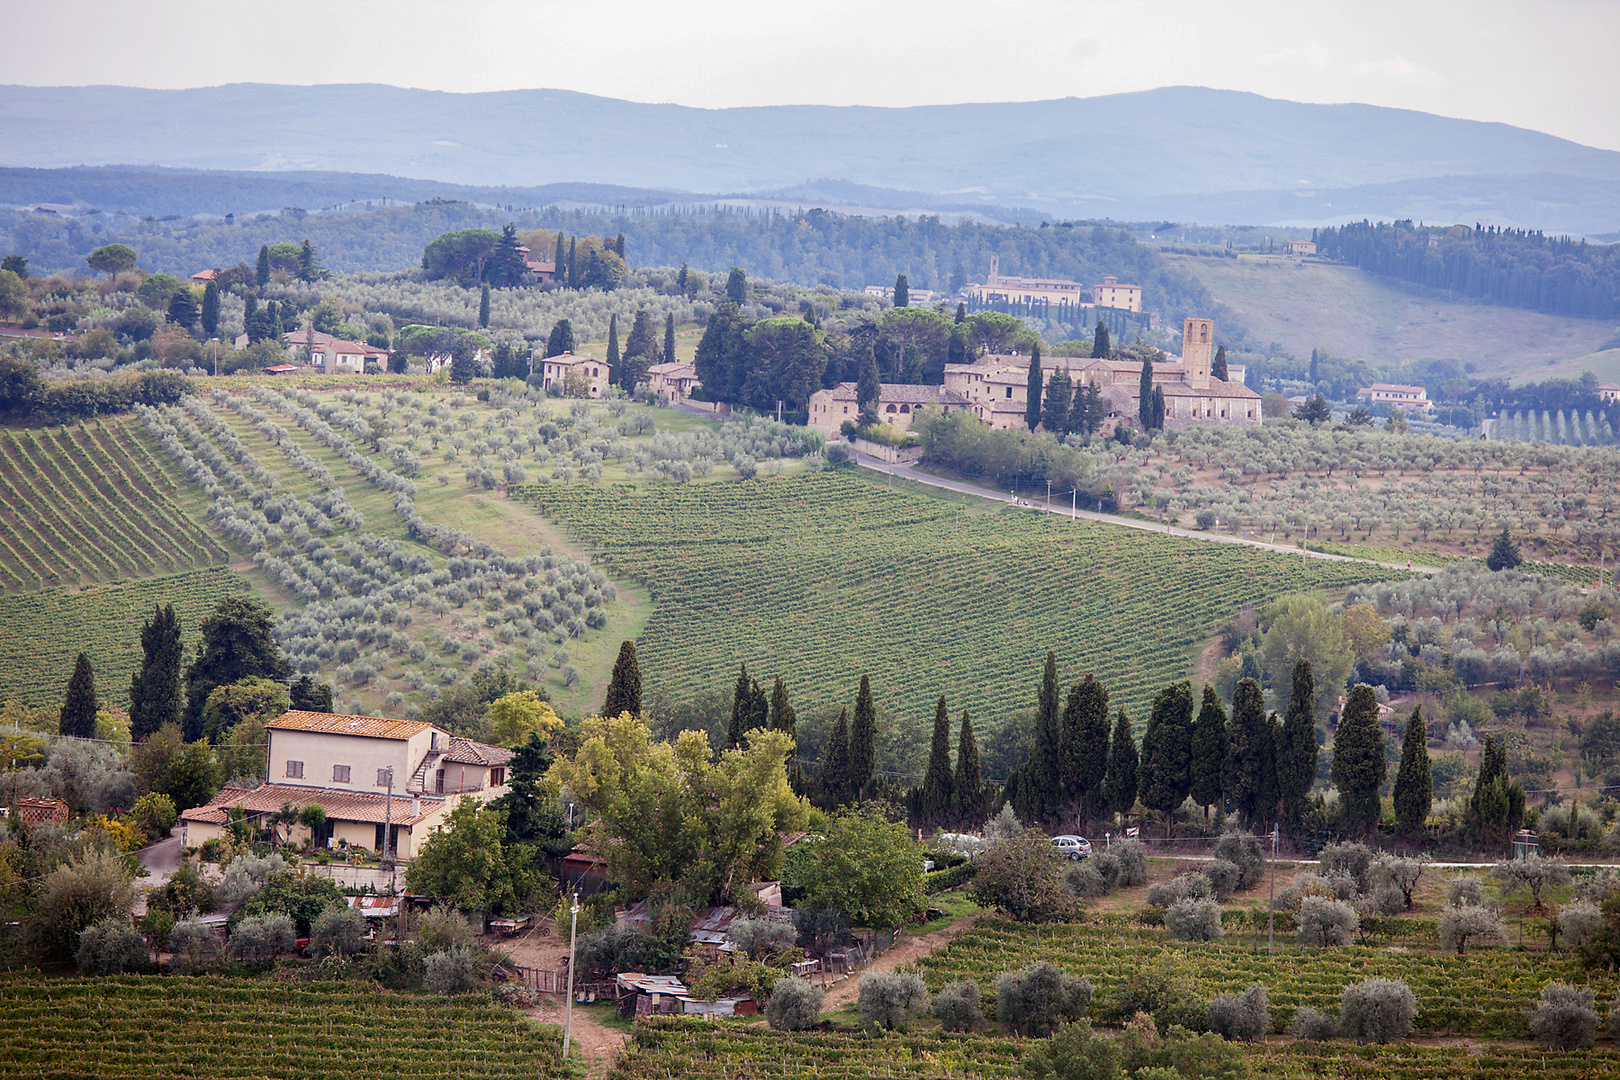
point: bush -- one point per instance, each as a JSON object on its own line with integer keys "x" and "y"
{"x": 441, "y": 929}
{"x": 1245, "y": 853}
{"x": 1565, "y": 1018}
{"x": 1460, "y": 925}
{"x": 1377, "y": 1010}
{"x": 1240, "y": 1018}
{"x": 959, "y": 1006}
{"x": 1023, "y": 877}
{"x": 111, "y": 946}
{"x": 795, "y": 1005}
{"x": 449, "y": 971}
{"x": 1085, "y": 880}
{"x": 1132, "y": 856}
{"x": 245, "y": 876}
{"x": 259, "y": 939}
{"x": 1223, "y": 878}
{"x": 1579, "y": 921}
{"x": 1390, "y": 872}
{"x": 195, "y": 946}
{"x": 1032, "y": 1001}
{"x": 1351, "y": 860}
{"x": 338, "y": 931}
{"x": 1324, "y": 922}
{"x": 1194, "y": 920}
{"x": 760, "y": 938}
{"x": 155, "y": 814}
{"x": 1189, "y": 886}
{"x": 1387, "y": 900}
{"x": 891, "y": 1000}
{"x": 1311, "y": 1024}
{"x": 94, "y": 886}
{"x": 1108, "y": 868}
{"x": 1465, "y": 890}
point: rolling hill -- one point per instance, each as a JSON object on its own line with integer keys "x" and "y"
{"x": 1183, "y": 153}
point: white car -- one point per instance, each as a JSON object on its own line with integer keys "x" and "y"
{"x": 1072, "y": 847}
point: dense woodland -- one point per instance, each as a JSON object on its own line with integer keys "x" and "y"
{"x": 1559, "y": 275}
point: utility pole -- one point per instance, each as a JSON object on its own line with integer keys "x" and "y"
{"x": 388, "y": 831}
{"x": 568, "y": 1006}
{"x": 1271, "y": 908}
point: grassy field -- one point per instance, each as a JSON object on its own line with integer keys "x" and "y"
{"x": 1306, "y": 305}
{"x": 823, "y": 578}
{"x": 160, "y": 1027}
{"x": 43, "y": 630}
{"x": 89, "y": 504}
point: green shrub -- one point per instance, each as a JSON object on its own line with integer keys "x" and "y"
{"x": 1224, "y": 878}
{"x": 1312, "y": 1024}
{"x": 1132, "y": 856}
{"x": 1032, "y": 1001}
{"x": 1240, "y": 1018}
{"x": 1245, "y": 853}
{"x": 1324, "y": 922}
{"x": 1189, "y": 886}
{"x": 1377, "y": 1010}
{"x": 959, "y": 1006}
{"x": 795, "y": 1005}
{"x": 449, "y": 971}
{"x": 890, "y": 1000}
{"x": 1459, "y": 926}
{"x": 259, "y": 939}
{"x": 1565, "y": 1018}
{"x": 111, "y": 946}
{"x": 338, "y": 931}
{"x": 195, "y": 946}
{"x": 1194, "y": 920}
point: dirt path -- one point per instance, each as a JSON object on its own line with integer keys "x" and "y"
{"x": 592, "y": 1042}
{"x": 908, "y": 950}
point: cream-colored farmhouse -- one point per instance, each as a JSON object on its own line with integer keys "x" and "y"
{"x": 367, "y": 773}
{"x": 555, "y": 370}
{"x": 898, "y": 404}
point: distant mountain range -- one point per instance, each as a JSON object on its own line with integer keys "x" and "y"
{"x": 1183, "y": 154}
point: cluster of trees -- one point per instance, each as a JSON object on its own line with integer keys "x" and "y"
{"x": 1516, "y": 267}
{"x": 477, "y": 256}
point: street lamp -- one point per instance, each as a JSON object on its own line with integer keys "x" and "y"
{"x": 568, "y": 1006}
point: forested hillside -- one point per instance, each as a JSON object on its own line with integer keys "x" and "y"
{"x": 1558, "y": 275}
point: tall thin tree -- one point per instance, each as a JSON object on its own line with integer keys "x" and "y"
{"x": 936, "y": 787}
{"x": 1085, "y": 745}
{"x": 863, "y": 740}
{"x": 1208, "y": 752}
{"x": 1032, "y": 391}
{"x": 1297, "y": 751}
{"x": 624, "y": 687}
{"x": 1246, "y": 742}
{"x": 967, "y": 786}
{"x": 1041, "y": 778}
{"x": 902, "y": 291}
{"x": 1414, "y": 783}
{"x": 80, "y": 706}
{"x": 1165, "y": 776}
{"x": 1100, "y": 349}
{"x": 1358, "y": 758}
{"x": 1119, "y": 786}
{"x": 835, "y": 783}
{"x": 1144, "y": 396}
{"x": 669, "y": 338}
{"x": 154, "y": 689}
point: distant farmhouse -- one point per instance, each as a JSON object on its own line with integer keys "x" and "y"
{"x": 897, "y": 404}
{"x": 370, "y": 775}
{"x": 327, "y": 353}
{"x": 1300, "y": 249}
{"x": 1056, "y": 292}
{"x": 591, "y": 374}
{"x": 1400, "y": 396}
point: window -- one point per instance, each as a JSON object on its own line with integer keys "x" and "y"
{"x": 1009, "y": 392}
{"x": 340, "y": 774}
{"x": 497, "y": 777}
{"x": 383, "y": 777}
{"x": 295, "y": 769}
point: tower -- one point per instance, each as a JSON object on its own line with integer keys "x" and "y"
{"x": 995, "y": 267}
{"x": 1197, "y": 351}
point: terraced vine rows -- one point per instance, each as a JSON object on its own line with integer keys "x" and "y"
{"x": 152, "y": 1027}
{"x": 89, "y": 504}
{"x": 707, "y": 1050}
{"x": 44, "y": 629}
{"x": 1486, "y": 993}
{"x": 821, "y": 578}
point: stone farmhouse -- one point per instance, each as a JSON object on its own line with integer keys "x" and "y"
{"x": 556, "y": 369}
{"x": 329, "y": 354}
{"x": 672, "y": 381}
{"x": 1059, "y": 292}
{"x": 996, "y": 387}
{"x": 897, "y": 404}
{"x": 1398, "y": 395}
{"x": 348, "y": 765}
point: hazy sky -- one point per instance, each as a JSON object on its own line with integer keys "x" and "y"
{"x": 1549, "y": 65}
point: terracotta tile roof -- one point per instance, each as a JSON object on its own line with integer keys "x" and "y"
{"x": 900, "y": 394}
{"x": 369, "y": 727}
{"x": 362, "y": 806}
{"x": 673, "y": 368}
{"x": 467, "y": 752}
{"x": 1215, "y": 389}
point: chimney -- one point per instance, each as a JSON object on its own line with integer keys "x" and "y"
{"x": 416, "y": 806}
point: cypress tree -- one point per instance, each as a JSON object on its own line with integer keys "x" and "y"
{"x": 1504, "y": 552}
{"x": 1032, "y": 406}
{"x": 967, "y": 786}
{"x": 868, "y": 391}
{"x": 835, "y": 762}
{"x": 1358, "y": 758}
{"x": 961, "y": 314}
{"x": 1158, "y": 408}
{"x": 624, "y": 688}
{"x": 1208, "y": 752}
{"x": 308, "y": 267}
{"x": 1492, "y": 765}
{"x": 618, "y": 245}
{"x": 669, "y": 338}
{"x": 936, "y": 789}
{"x": 862, "y": 739}
{"x": 1055, "y": 409}
{"x": 78, "y": 719}
{"x": 1042, "y": 775}
{"x": 559, "y": 269}
{"x": 1085, "y": 745}
{"x": 261, "y": 271}
{"x": 902, "y": 292}
{"x": 782, "y": 716}
{"x": 1246, "y": 740}
{"x": 1297, "y": 751}
{"x": 613, "y": 348}
{"x": 210, "y": 309}
{"x": 573, "y": 263}
{"x": 1218, "y": 368}
{"x": 1270, "y": 787}
{"x": 737, "y": 286}
{"x": 1099, "y": 342}
{"x": 1165, "y": 778}
{"x": 154, "y": 690}
{"x": 308, "y": 697}
{"x": 483, "y": 307}
{"x": 750, "y": 709}
{"x": 1144, "y": 396}
{"x": 1414, "y": 786}
{"x": 1119, "y": 786}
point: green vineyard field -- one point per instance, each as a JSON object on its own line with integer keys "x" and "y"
{"x": 90, "y": 504}
{"x": 43, "y": 630}
{"x": 154, "y": 1028}
{"x": 711, "y": 1050}
{"x": 823, "y": 577}
{"x": 1486, "y": 993}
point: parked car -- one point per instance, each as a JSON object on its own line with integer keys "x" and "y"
{"x": 1072, "y": 847}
